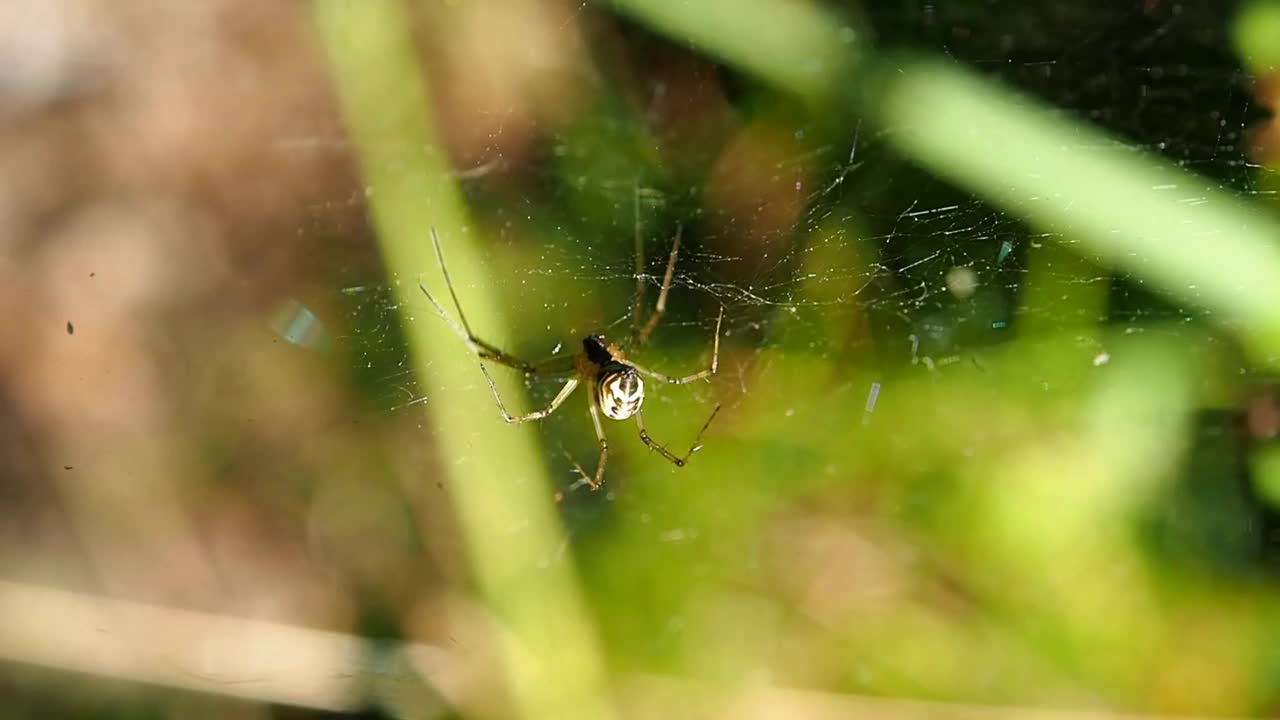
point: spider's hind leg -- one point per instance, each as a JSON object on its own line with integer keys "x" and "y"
{"x": 677, "y": 460}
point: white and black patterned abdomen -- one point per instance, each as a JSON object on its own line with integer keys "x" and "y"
{"x": 620, "y": 393}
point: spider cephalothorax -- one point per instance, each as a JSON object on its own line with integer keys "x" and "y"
{"x": 597, "y": 350}
{"x": 616, "y": 387}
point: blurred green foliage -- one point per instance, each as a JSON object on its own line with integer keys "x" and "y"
{"x": 1036, "y": 522}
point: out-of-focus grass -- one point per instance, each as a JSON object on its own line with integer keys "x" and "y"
{"x": 975, "y": 539}
{"x": 796, "y": 45}
{"x": 496, "y": 477}
{"x": 1183, "y": 234}
{"x": 1257, "y": 35}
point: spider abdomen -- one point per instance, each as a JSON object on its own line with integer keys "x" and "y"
{"x": 620, "y": 393}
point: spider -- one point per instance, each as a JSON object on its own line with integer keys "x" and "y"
{"x": 617, "y": 389}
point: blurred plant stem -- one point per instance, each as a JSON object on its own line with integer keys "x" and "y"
{"x": 497, "y": 480}
{"x": 793, "y": 45}
{"x": 1257, "y": 35}
{"x": 1182, "y": 233}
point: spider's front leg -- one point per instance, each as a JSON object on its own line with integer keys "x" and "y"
{"x": 560, "y": 397}
{"x": 482, "y": 349}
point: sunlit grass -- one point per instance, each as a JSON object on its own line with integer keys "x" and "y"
{"x": 1257, "y": 35}
{"x": 794, "y": 44}
{"x": 495, "y": 473}
{"x": 1184, "y": 235}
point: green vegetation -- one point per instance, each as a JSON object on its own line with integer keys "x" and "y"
{"x": 1012, "y": 528}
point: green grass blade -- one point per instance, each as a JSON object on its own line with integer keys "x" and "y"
{"x": 792, "y": 44}
{"x": 1190, "y": 238}
{"x": 496, "y": 473}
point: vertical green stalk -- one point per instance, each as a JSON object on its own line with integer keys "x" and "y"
{"x": 497, "y": 480}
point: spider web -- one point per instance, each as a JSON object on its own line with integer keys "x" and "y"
{"x": 930, "y": 270}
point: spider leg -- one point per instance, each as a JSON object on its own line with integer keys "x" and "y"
{"x": 677, "y": 460}
{"x": 554, "y": 365}
{"x": 661, "y": 306}
{"x": 484, "y": 350}
{"x": 448, "y": 281}
{"x": 715, "y": 362}
{"x": 604, "y": 452}
{"x": 560, "y": 397}
{"x": 637, "y": 300}
{"x": 585, "y": 478}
